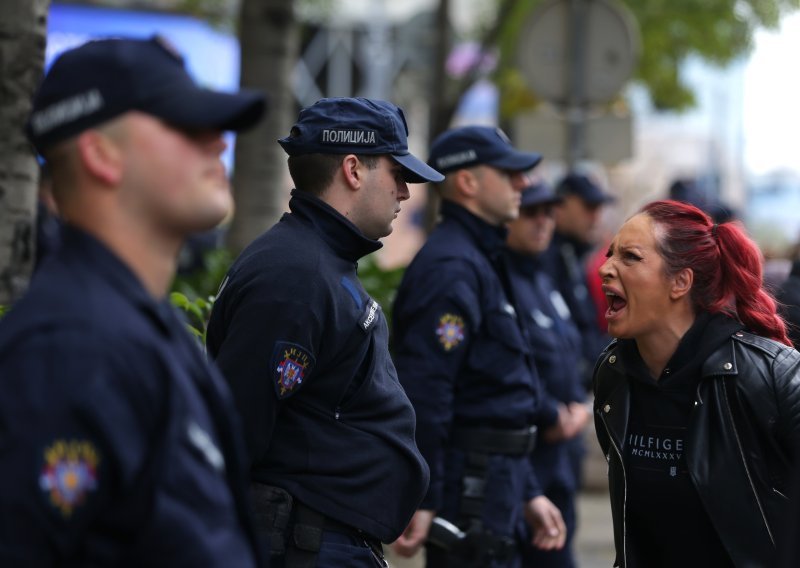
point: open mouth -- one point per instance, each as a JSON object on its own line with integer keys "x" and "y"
{"x": 615, "y": 302}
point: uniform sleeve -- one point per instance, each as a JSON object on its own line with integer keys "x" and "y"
{"x": 532, "y": 486}
{"x": 434, "y": 317}
{"x": 547, "y": 411}
{"x": 269, "y": 351}
{"x": 75, "y": 423}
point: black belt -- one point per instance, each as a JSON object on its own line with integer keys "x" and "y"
{"x": 307, "y": 537}
{"x": 304, "y": 515}
{"x": 492, "y": 441}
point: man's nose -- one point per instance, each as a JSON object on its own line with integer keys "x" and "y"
{"x": 520, "y": 180}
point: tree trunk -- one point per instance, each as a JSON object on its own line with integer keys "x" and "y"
{"x": 269, "y": 45}
{"x": 23, "y": 29}
{"x": 440, "y": 113}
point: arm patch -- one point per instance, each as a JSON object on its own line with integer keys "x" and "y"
{"x": 290, "y": 367}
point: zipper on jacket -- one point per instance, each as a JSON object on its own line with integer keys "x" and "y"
{"x": 698, "y": 397}
{"x": 624, "y": 494}
{"x": 744, "y": 461}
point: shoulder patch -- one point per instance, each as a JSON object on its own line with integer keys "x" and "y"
{"x": 370, "y": 315}
{"x": 291, "y": 365}
{"x": 450, "y": 331}
{"x": 69, "y": 473}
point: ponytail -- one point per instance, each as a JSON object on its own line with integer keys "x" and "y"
{"x": 726, "y": 263}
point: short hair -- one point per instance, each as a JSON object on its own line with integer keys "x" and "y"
{"x": 61, "y": 167}
{"x": 313, "y": 173}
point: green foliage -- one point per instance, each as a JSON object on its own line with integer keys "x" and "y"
{"x": 380, "y": 283}
{"x": 315, "y": 10}
{"x": 3, "y": 310}
{"x": 197, "y": 311}
{"x": 204, "y": 283}
{"x": 194, "y": 294}
{"x": 717, "y": 31}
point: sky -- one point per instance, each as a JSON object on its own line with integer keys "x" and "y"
{"x": 772, "y": 100}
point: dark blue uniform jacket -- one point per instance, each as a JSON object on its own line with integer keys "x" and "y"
{"x": 305, "y": 350}
{"x": 118, "y": 445}
{"x": 565, "y": 261}
{"x": 459, "y": 348}
{"x": 556, "y": 346}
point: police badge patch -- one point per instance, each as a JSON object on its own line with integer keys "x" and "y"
{"x": 450, "y": 331}
{"x": 69, "y": 473}
{"x": 291, "y": 365}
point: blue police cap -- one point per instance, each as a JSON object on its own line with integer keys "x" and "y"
{"x": 357, "y": 126}
{"x": 469, "y": 146}
{"x": 103, "y": 79}
{"x": 538, "y": 193}
{"x": 585, "y": 188}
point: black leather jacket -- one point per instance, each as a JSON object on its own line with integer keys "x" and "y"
{"x": 740, "y": 441}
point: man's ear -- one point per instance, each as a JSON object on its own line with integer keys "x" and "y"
{"x": 101, "y": 156}
{"x": 465, "y": 183}
{"x": 682, "y": 283}
{"x": 352, "y": 171}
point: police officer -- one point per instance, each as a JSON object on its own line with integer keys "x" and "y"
{"x": 330, "y": 431}
{"x": 554, "y": 341}
{"x": 463, "y": 360}
{"x": 576, "y": 222}
{"x": 118, "y": 443}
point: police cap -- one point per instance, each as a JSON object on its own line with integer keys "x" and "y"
{"x": 585, "y": 188}
{"x": 538, "y": 193}
{"x": 469, "y": 146}
{"x": 357, "y": 126}
{"x": 102, "y": 79}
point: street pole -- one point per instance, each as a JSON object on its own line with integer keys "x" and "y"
{"x": 575, "y": 111}
{"x": 378, "y": 63}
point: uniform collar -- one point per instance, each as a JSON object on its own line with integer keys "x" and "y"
{"x": 346, "y": 240}
{"x": 489, "y": 238}
{"x": 82, "y": 249}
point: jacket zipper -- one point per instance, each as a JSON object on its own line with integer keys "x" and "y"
{"x": 744, "y": 461}
{"x": 624, "y": 494}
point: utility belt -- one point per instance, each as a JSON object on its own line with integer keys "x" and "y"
{"x": 476, "y": 546}
{"x": 493, "y": 441}
{"x": 450, "y": 547}
{"x": 295, "y": 530}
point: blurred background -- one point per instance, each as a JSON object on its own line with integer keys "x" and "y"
{"x": 698, "y": 91}
{"x": 653, "y": 98}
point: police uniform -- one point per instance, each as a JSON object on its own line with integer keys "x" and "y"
{"x": 565, "y": 261}
{"x": 305, "y": 350}
{"x": 463, "y": 360}
{"x": 554, "y": 340}
{"x": 464, "y": 363}
{"x": 119, "y": 445}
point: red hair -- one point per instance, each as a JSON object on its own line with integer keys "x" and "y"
{"x": 727, "y": 266}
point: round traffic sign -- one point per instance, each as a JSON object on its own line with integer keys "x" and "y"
{"x": 578, "y": 49}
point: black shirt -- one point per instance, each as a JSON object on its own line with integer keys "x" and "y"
{"x": 667, "y": 523}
